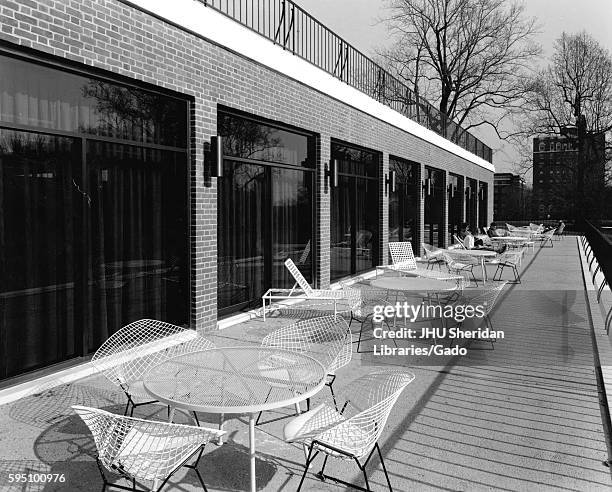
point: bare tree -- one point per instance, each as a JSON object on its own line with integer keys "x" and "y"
{"x": 468, "y": 57}
{"x": 574, "y": 92}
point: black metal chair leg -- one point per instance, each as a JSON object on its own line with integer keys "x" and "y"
{"x": 309, "y": 460}
{"x": 195, "y": 416}
{"x": 331, "y": 389}
{"x": 324, "y": 463}
{"x": 359, "y": 340}
{"x": 365, "y": 475}
{"x": 201, "y": 479}
{"x": 382, "y": 462}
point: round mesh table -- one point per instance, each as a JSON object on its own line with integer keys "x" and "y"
{"x": 243, "y": 380}
{"x": 480, "y": 254}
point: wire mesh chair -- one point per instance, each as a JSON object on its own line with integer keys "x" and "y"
{"x": 334, "y": 297}
{"x": 327, "y": 339}
{"x": 433, "y": 255}
{"x": 128, "y": 355}
{"x": 144, "y": 450}
{"x": 508, "y": 260}
{"x": 545, "y": 237}
{"x": 535, "y": 227}
{"x": 460, "y": 265}
{"x": 486, "y": 299}
{"x": 367, "y": 299}
{"x": 351, "y": 433}
{"x": 560, "y": 232}
{"x": 404, "y": 261}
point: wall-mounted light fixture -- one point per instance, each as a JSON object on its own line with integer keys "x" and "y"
{"x": 331, "y": 173}
{"x": 427, "y": 187}
{"x": 390, "y": 182}
{"x": 216, "y": 154}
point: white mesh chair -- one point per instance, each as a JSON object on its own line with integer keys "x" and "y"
{"x": 460, "y": 264}
{"x": 327, "y": 339}
{"x": 351, "y": 433}
{"x": 367, "y": 299}
{"x": 143, "y": 450}
{"x": 535, "y": 227}
{"x": 545, "y": 237}
{"x": 510, "y": 260}
{"x": 433, "y": 255}
{"x": 127, "y": 356}
{"x": 486, "y": 298}
{"x": 305, "y": 291}
{"x": 404, "y": 261}
{"x": 560, "y": 232}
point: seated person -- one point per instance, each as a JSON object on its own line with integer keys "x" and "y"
{"x": 472, "y": 243}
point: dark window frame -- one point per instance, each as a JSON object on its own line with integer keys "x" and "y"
{"x": 354, "y": 177}
{"x": 67, "y": 66}
{"x": 311, "y": 171}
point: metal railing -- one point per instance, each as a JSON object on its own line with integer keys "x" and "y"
{"x": 289, "y": 26}
{"x": 602, "y": 247}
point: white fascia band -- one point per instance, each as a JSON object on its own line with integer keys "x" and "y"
{"x": 210, "y": 24}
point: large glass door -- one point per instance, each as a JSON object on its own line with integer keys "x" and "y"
{"x": 265, "y": 210}
{"x": 455, "y": 204}
{"x": 93, "y": 212}
{"x": 471, "y": 204}
{"x": 482, "y": 204}
{"x": 404, "y": 202}
{"x": 434, "y": 191}
{"x": 354, "y": 211}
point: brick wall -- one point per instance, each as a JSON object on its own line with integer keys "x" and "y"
{"x": 112, "y": 35}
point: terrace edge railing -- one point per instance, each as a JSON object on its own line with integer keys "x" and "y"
{"x": 288, "y": 25}
{"x": 601, "y": 245}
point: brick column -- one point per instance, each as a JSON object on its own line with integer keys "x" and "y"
{"x": 322, "y": 232}
{"x": 420, "y": 212}
{"x": 203, "y": 216}
{"x": 383, "y": 215}
{"x": 462, "y": 211}
{"x": 446, "y": 203}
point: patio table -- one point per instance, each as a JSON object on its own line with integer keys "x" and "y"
{"x": 479, "y": 254}
{"x": 418, "y": 284}
{"x": 414, "y": 284}
{"x": 239, "y": 380}
{"x": 510, "y": 239}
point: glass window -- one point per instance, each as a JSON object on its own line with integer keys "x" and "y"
{"x": 455, "y": 203}
{"x": 354, "y": 211}
{"x": 471, "y": 192}
{"x": 433, "y": 191}
{"x": 356, "y": 161}
{"x": 483, "y": 191}
{"x": 404, "y": 202}
{"x": 44, "y": 97}
{"x": 94, "y": 231}
{"x": 264, "y": 212}
{"x": 250, "y": 139}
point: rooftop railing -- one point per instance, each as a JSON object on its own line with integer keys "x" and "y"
{"x": 289, "y": 26}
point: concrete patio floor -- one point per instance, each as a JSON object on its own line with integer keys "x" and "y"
{"x": 525, "y": 416}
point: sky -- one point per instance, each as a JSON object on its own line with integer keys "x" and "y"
{"x": 359, "y": 22}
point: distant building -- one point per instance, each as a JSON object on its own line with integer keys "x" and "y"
{"x": 555, "y": 173}
{"x": 508, "y": 197}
